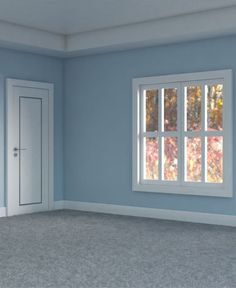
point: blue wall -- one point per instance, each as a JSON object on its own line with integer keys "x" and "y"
{"x": 98, "y": 121}
{"x": 37, "y": 68}
{"x": 97, "y": 125}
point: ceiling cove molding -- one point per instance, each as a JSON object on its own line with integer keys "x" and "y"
{"x": 208, "y": 24}
{"x": 31, "y": 40}
{"x": 201, "y": 25}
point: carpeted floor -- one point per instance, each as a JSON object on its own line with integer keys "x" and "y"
{"x": 88, "y": 250}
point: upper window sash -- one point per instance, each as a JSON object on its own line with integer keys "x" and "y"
{"x": 161, "y": 90}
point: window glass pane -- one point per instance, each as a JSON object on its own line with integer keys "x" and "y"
{"x": 214, "y": 107}
{"x": 193, "y": 156}
{"x": 170, "y": 109}
{"x": 151, "y": 110}
{"x": 215, "y": 159}
{"x": 151, "y": 152}
{"x": 170, "y": 165}
{"x": 193, "y": 106}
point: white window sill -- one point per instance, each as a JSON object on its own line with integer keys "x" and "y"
{"x": 186, "y": 189}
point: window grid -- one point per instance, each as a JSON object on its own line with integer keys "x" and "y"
{"x": 181, "y": 134}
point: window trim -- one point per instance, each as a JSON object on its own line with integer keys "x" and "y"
{"x": 187, "y": 188}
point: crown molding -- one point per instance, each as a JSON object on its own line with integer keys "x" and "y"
{"x": 201, "y": 25}
{"x": 31, "y": 40}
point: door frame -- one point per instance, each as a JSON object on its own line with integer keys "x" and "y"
{"x": 10, "y": 84}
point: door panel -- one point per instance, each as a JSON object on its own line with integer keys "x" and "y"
{"x": 28, "y": 143}
{"x": 30, "y": 157}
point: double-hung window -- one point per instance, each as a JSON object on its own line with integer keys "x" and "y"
{"x": 182, "y": 134}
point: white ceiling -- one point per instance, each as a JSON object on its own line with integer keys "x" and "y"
{"x": 76, "y": 16}
{"x": 76, "y": 27}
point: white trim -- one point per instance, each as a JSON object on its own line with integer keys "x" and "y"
{"x": 31, "y": 39}
{"x": 176, "y": 187}
{"x": 201, "y": 25}
{"x": 59, "y": 205}
{"x": 166, "y": 214}
{"x": 184, "y": 77}
{"x": 154, "y": 213}
{"x": 50, "y": 88}
{"x": 10, "y": 83}
{"x": 3, "y": 212}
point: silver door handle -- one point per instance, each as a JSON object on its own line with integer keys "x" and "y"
{"x": 19, "y": 149}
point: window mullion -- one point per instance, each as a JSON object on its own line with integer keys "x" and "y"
{"x": 203, "y": 129}
{"x": 203, "y": 133}
{"x": 142, "y": 158}
{"x": 161, "y": 115}
{"x": 180, "y": 127}
{"x": 169, "y": 134}
{"x": 142, "y": 129}
{"x": 184, "y": 130}
{"x": 150, "y": 134}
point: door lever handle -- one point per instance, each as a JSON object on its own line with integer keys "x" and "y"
{"x": 18, "y": 149}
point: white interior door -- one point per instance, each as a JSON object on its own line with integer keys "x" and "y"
{"x": 28, "y": 145}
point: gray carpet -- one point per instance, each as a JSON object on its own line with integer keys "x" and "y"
{"x": 88, "y": 250}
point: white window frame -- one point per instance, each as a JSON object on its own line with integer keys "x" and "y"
{"x": 224, "y": 189}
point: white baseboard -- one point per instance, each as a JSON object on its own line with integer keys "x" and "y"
{"x": 186, "y": 216}
{"x": 3, "y": 211}
{"x": 58, "y": 205}
{"x": 177, "y": 215}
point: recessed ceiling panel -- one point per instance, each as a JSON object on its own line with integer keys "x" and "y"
{"x": 74, "y": 16}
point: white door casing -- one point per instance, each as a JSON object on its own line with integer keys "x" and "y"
{"x": 29, "y": 146}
